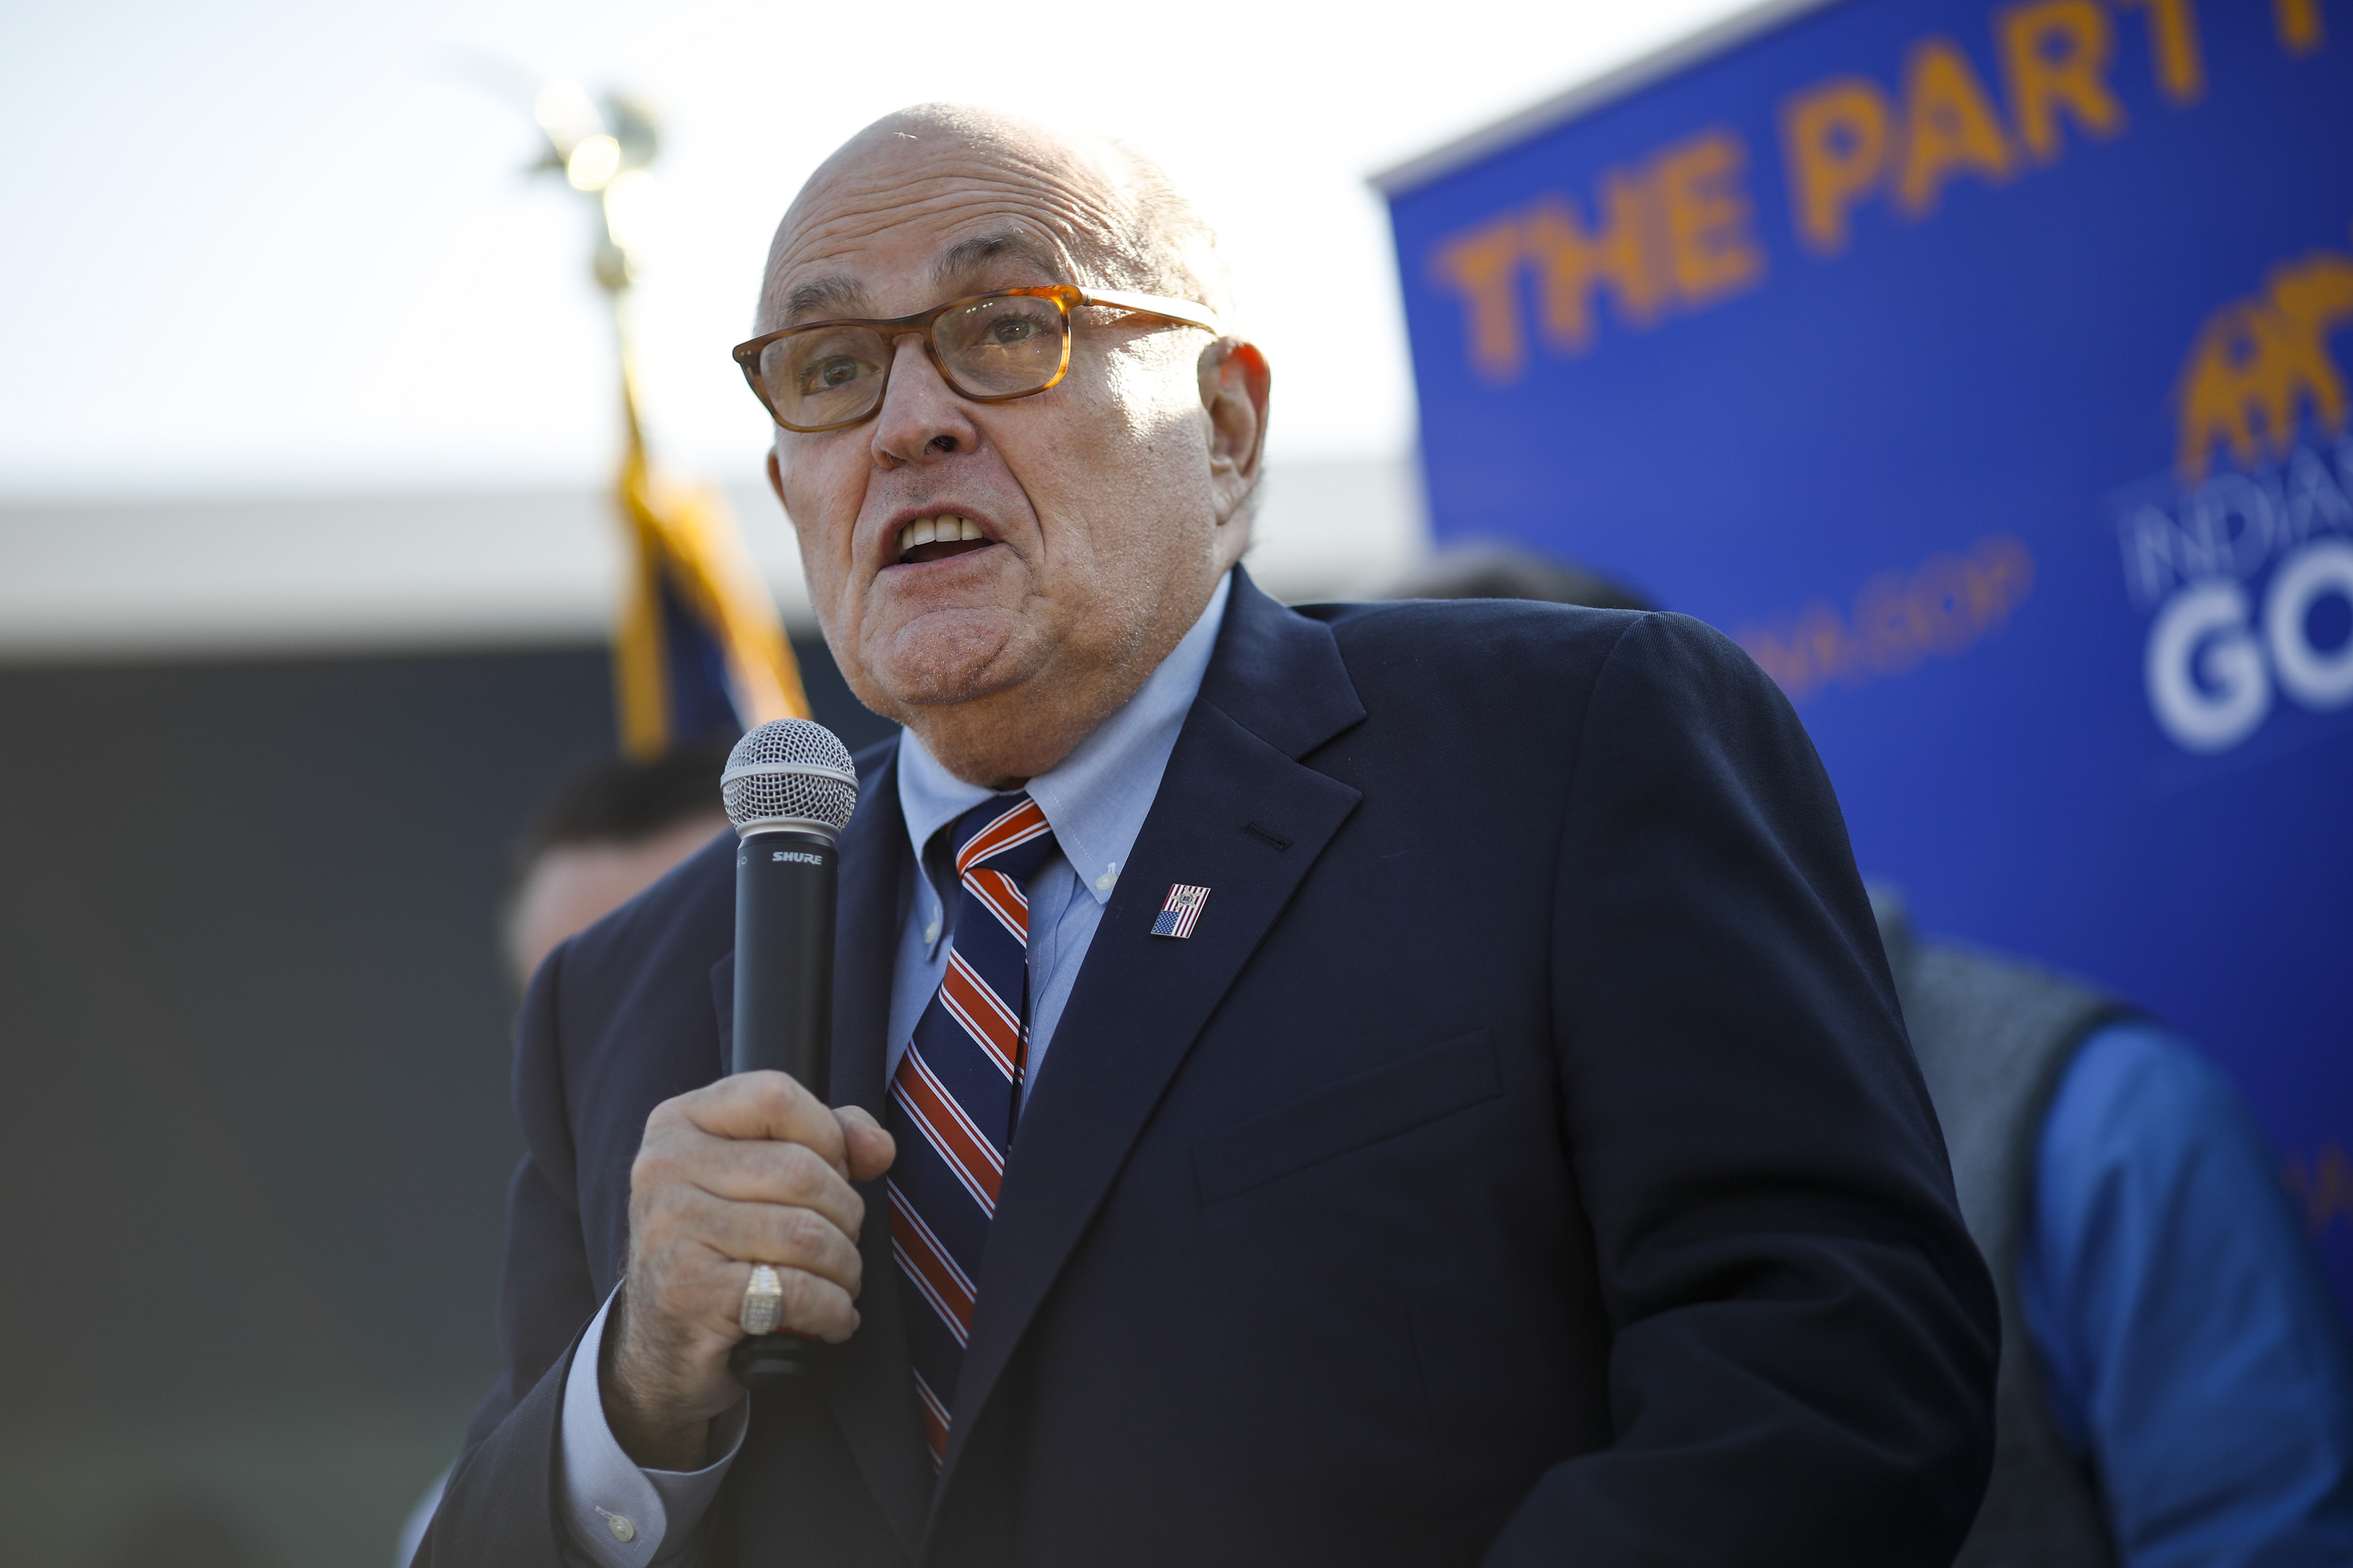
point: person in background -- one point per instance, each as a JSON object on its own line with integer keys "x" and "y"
{"x": 1490, "y": 571}
{"x": 608, "y": 834}
{"x": 2186, "y": 1400}
{"x": 602, "y": 838}
{"x": 2186, "y": 1397}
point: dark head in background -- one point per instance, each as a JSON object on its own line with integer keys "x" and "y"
{"x": 1508, "y": 572}
{"x": 606, "y": 835}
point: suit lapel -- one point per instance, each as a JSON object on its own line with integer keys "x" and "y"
{"x": 1237, "y": 814}
{"x": 866, "y": 938}
{"x": 867, "y": 1381}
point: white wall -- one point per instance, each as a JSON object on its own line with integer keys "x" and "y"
{"x": 153, "y": 577}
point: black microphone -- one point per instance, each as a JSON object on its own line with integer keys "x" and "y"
{"x": 789, "y": 789}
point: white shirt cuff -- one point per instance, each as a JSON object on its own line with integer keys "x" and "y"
{"x": 622, "y": 1516}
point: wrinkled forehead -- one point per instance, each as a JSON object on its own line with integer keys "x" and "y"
{"x": 895, "y": 223}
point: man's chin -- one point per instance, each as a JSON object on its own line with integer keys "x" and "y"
{"x": 947, "y": 659}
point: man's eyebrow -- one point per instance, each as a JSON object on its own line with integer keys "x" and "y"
{"x": 961, "y": 261}
{"x": 826, "y": 297}
{"x": 839, "y": 296}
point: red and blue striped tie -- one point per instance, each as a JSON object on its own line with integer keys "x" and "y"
{"x": 957, "y": 1089}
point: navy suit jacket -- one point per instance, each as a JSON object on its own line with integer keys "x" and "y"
{"x": 1522, "y": 1162}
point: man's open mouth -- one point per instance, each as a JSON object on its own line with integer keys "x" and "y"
{"x": 937, "y": 538}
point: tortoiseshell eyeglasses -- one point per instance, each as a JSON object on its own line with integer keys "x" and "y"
{"x": 990, "y": 348}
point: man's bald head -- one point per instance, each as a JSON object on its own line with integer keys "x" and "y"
{"x": 1111, "y": 217}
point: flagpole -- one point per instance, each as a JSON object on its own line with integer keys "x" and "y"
{"x": 685, "y": 551}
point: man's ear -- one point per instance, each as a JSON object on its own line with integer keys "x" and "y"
{"x": 1235, "y": 381}
{"x": 775, "y": 476}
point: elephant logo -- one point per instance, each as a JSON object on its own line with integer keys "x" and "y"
{"x": 2258, "y": 360}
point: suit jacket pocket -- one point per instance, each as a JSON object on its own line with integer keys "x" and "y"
{"x": 1394, "y": 1097}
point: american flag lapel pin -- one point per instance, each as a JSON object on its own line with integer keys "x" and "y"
{"x": 1182, "y": 913}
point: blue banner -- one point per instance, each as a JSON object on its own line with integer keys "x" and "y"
{"x": 1983, "y": 369}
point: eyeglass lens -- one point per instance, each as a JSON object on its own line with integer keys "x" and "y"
{"x": 1001, "y": 345}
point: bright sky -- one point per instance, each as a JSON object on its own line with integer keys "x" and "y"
{"x": 269, "y": 245}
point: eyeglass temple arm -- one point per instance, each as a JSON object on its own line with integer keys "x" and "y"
{"x": 1185, "y": 310}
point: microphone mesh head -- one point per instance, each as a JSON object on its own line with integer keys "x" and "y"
{"x": 789, "y": 770}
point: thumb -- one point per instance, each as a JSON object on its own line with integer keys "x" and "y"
{"x": 871, "y": 1149}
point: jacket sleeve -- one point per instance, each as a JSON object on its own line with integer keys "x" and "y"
{"x": 1804, "y": 1336}
{"x": 499, "y": 1509}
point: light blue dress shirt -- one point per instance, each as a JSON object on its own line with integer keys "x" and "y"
{"x": 2192, "y": 1351}
{"x": 1096, "y": 799}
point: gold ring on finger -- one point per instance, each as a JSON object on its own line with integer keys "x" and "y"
{"x": 764, "y": 1301}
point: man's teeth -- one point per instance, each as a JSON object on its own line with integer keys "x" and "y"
{"x": 945, "y": 528}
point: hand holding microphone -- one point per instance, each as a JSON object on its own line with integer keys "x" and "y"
{"x": 753, "y": 1169}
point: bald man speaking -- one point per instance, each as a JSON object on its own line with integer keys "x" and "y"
{"x": 1404, "y": 1084}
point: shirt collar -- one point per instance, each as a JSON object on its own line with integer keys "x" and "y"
{"x": 1097, "y": 798}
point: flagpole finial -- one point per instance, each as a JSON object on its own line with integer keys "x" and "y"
{"x": 604, "y": 150}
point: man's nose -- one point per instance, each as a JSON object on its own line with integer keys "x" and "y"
{"x": 922, "y": 418}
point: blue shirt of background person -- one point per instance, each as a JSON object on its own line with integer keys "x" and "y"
{"x": 2192, "y": 1355}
